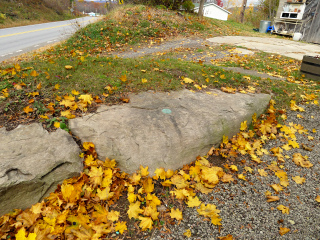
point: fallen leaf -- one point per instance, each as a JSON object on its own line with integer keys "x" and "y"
{"x": 187, "y": 233}
{"x": 27, "y": 109}
{"x": 283, "y": 209}
{"x": 241, "y": 176}
{"x": 272, "y": 198}
{"x": 283, "y": 231}
{"x": 68, "y": 67}
{"x": 176, "y": 213}
{"x": 121, "y": 227}
{"x": 188, "y": 80}
{"x": 262, "y": 172}
{"x": 146, "y": 222}
{"x": 228, "y": 237}
{"x": 318, "y": 198}
{"x": 299, "y": 180}
{"x": 300, "y": 160}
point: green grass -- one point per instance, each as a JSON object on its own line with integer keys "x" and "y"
{"x": 110, "y": 79}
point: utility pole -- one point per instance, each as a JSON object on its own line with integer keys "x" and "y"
{"x": 244, "y": 5}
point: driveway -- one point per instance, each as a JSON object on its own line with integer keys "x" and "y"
{"x": 289, "y": 48}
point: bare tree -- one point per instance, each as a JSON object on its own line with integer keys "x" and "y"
{"x": 200, "y": 13}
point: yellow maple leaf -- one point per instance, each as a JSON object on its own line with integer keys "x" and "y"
{"x": 169, "y": 173}
{"x": 299, "y": 180}
{"x": 110, "y": 163}
{"x": 262, "y": 172}
{"x": 27, "y": 109}
{"x": 148, "y": 185}
{"x": 67, "y": 103}
{"x": 86, "y": 98}
{"x": 153, "y": 200}
{"x": 227, "y": 178}
{"x": 193, "y": 202}
{"x": 34, "y": 74}
{"x": 234, "y": 168}
{"x": 176, "y": 213}
{"x": 283, "y": 209}
{"x": 104, "y": 194}
{"x": 179, "y": 181}
{"x": 243, "y": 126}
{"x": 57, "y": 86}
{"x": 132, "y": 197}
{"x": 87, "y": 145}
{"x": 294, "y": 144}
{"x": 160, "y": 173}
{"x": 113, "y": 216}
{"x": 123, "y": 78}
{"x": 151, "y": 211}
{"x": 146, "y": 222}
{"x": 276, "y": 187}
{"x": 39, "y": 86}
{"x": 95, "y": 175}
{"x": 300, "y": 160}
{"x": 121, "y": 227}
{"x": 68, "y": 67}
{"x": 166, "y": 183}
{"x": 36, "y": 208}
{"x": 21, "y": 235}
{"x": 187, "y": 233}
{"x": 144, "y": 171}
{"x": 228, "y": 89}
{"x": 134, "y": 210}
{"x": 143, "y": 80}
{"x": 67, "y": 114}
{"x": 210, "y": 174}
{"x": 248, "y": 169}
{"x": 187, "y": 80}
{"x": 67, "y": 191}
{"x": 56, "y": 124}
{"x": 283, "y": 231}
{"x": 135, "y": 178}
{"x": 241, "y": 176}
{"x": 222, "y": 76}
{"x": 74, "y": 92}
{"x": 318, "y": 198}
{"x": 286, "y": 147}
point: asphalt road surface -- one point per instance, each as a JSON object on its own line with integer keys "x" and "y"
{"x": 17, "y": 40}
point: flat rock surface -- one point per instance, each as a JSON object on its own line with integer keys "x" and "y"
{"x": 280, "y": 46}
{"x": 32, "y": 163}
{"x": 166, "y": 129}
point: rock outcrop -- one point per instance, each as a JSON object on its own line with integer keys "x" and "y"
{"x": 166, "y": 129}
{"x": 32, "y": 163}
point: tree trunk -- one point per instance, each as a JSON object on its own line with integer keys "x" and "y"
{"x": 200, "y": 13}
{"x": 244, "y": 5}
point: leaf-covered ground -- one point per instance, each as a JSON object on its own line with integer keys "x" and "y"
{"x": 79, "y": 75}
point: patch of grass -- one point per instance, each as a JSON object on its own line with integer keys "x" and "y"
{"x": 20, "y": 13}
{"x": 42, "y": 83}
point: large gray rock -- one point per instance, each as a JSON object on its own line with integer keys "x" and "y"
{"x": 32, "y": 163}
{"x": 166, "y": 129}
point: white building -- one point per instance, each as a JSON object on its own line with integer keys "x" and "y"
{"x": 212, "y": 10}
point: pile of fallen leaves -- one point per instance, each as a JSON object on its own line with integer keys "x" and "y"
{"x": 83, "y": 207}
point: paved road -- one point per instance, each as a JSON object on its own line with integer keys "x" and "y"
{"x": 18, "y": 40}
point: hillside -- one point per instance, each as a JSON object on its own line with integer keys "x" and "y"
{"x": 26, "y": 12}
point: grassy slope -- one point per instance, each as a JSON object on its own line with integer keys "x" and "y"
{"x": 42, "y": 82}
{"x": 18, "y": 13}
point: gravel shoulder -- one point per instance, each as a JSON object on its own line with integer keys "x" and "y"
{"x": 245, "y": 212}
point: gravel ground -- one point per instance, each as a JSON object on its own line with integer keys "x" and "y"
{"x": 244, "y": 210}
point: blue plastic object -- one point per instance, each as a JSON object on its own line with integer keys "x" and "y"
{"x": 269, "y": 29}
